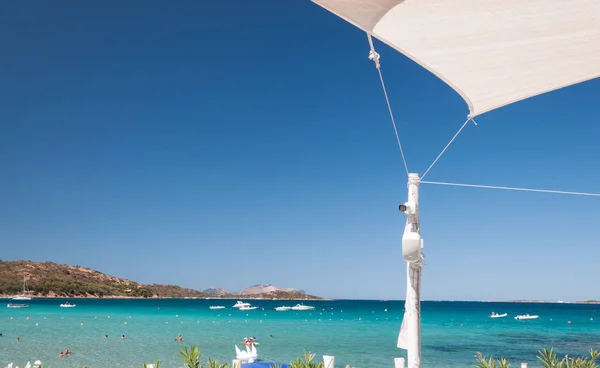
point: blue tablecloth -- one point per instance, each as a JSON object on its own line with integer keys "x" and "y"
{"x": 263, "y": 365}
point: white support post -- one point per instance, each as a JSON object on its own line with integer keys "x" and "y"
{"x": 328, "y": 361}
{"x": 398, "y": 362}
{"x": 412, "y": 244}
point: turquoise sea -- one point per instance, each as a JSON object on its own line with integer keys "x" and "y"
{"x": 357, "y": 332}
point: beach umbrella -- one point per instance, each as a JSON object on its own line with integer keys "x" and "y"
{"x": 492, "y": 53}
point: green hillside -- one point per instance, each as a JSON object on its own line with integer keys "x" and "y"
{"x": 48, "y": 279}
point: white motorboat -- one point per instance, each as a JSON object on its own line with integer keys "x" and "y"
{"x": 283, "y": 308}
{"x": 25, "y": 291}
{"x": 526, "y": 316}
{"x": 241, "y": 304}
{"x": 217, "y": 307}
{"x": 11, "y": 305}
{"x": 67, "y": 305}
{"x": 302, "y": 307}
{"x": 248, "y": 307}
{"x": 496, "y": 315}
{"x": 249, "y": 355}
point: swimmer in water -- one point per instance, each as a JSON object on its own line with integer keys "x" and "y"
{"x": 106, "y": 336}
{"x": 271, "y": 335}
{"x": 18, "y": 339}
{"x": 67, "y": 351}
{"x": 61, "y": 355}
{"x": 179, "y": 338}
{"x": 122, "y": 336}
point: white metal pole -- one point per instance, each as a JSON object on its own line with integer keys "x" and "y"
{"x": 398, "y": 362}
{"x": 411, "y": 252}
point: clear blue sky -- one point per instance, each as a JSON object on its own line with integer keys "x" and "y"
{"x": 200, "y": 143}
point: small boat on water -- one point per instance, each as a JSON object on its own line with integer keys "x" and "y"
{"x": 496, "y": 315}
{"x": 216, "y": 307}
{"x": 21, "y": 297}
{"x": 67, "y": 305}
{"x": 526, "y": 316}
{"x": 283, "y": 308}
{"x": 11, "y": 305}
{"x": 302, "y": 307}
{"x": 241, "y": 304}
{"x": 248, "y": 307}
{"x": 25, "y": 291}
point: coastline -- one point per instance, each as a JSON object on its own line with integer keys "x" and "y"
{"x": 238, "y": 297}
{"x": 249, "y": 297}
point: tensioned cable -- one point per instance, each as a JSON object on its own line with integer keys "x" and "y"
{"x": 375, "y": 57}
{"x": 512, "y": 188}
{"x": 448, "y": 145}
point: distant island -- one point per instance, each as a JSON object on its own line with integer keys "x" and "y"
{"x": 52, "y": 280}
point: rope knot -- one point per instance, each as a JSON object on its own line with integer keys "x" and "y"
{"x": 375, "y": 57}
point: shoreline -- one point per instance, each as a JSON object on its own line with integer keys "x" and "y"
{"x": 241, "y": 297}
{"x": 245, "y": 297}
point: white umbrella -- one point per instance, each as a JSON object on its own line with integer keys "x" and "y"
{"x": 493, "y": 53}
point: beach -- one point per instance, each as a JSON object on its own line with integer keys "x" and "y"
{"x": 359, "y": 333}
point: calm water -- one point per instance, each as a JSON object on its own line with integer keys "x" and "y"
{"x": 359, "y": 333}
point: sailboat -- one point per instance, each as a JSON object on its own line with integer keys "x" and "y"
{"x": 25, "y": 291}
{"x": 490, "y": 53}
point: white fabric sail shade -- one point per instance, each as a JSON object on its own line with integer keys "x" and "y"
{"x": 492, "y": 52}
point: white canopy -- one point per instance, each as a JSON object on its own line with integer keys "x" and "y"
{"x": 492, "y": 52}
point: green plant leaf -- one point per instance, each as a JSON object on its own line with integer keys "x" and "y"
{"x": 191, "y": 356}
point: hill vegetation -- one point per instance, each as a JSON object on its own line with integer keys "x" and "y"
{"x": 48, "y": 279}
{"x": 173, "y": 291}
{"x": 55, "y": 280}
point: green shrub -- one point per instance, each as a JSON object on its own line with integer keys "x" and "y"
{"x": 491, "y": 362}
{"x": 548, "y": 359}
{"x": 191, "y": 356}
{"x": 306, "y": 362}
{"x": 215, "y": 364}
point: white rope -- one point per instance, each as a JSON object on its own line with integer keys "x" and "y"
{"x": 448, "y": 145}
{"x": 512, "y": 188}
{"x": 375, "y": 57}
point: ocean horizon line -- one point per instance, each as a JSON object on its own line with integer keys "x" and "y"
{"x": 242, "y": 297}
